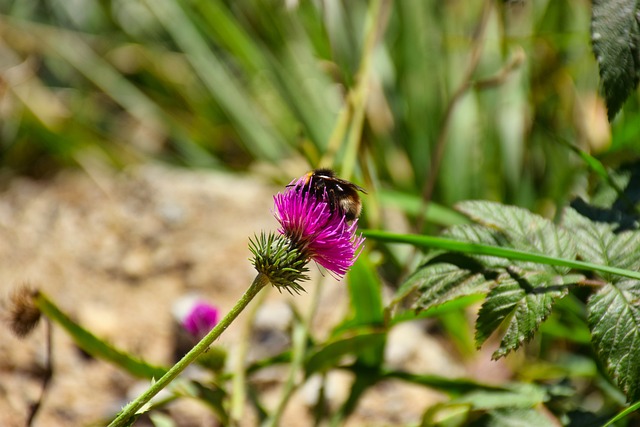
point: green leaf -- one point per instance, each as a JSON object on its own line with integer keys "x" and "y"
{"x": 614, "y": 309}
{"x": 614, "y": 201}
{"x": 615, "y": 35}
{"x": 566, "y": 324}
{"x": 623, "y": 414}
{"x": 524, "y": 292}
{"x": 496, "y": 251}
{"x": 521, "y": 300}
{"x": 214, "y": 397}
{"x": 365, "y": 291}
{"x": 523, "y": 229}
{"x": 450, "y": 386}
{"x": 480, "y": 234}
{"x": 514, "y": 396}
{"x": 614, "y": 319}
{"x": 443, "y": 282}
{"x": 517, "y": 221}
{"x": 448, "y": 276}
{"x": 510, "y": 417}
{"x": 489, "y": 407}
{"x": 94, "y": 345}
{"x": 597, "y": 243}
{"x": 436, "y": 311}
{"x": 330, "y": 354}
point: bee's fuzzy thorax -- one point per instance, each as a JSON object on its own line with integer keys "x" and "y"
{"x": 341, "y": 195}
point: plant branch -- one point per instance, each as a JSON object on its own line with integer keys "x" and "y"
{"x": 239, "y": 386}
{"x": 48, "y": 373}
{"x": 134, "y": 407}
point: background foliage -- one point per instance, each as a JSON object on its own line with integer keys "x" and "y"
{"x": 424, "y": 103}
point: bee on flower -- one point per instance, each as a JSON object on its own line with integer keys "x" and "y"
{"x": 318, "y": 214}
{"x": 318, "y": 217}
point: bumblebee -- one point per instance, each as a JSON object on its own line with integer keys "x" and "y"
{"x": 342, "y": 195}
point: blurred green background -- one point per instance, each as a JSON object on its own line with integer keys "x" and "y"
{"x": 413, "y": 99}
{"x": 483, "y": 95}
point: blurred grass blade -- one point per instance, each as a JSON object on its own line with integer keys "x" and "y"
{"x": 431, "y": 242}
{"x": 258, "y": 136}
{"x": 451, "y": 386}
{"x": 293, "y": 70}
{"x": 411, "y": 205}
{"x": 213, "y": 396}
{"x": 460, "y": 331}
{"x": 94, "y": 345}
{"x": 73, "y": 49}
{"x": 330, "y": 354}
{"x": 596, "y": 166}
{"x": 622, "y": 415}
{"x": 365, "y": 291}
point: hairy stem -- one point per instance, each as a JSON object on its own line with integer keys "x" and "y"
{"x": 239, "y": 386}
{"x": 132, "y": 408}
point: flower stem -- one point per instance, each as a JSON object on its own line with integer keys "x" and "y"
{"x": 238, "y": 384}
{"x": 133, "y": 407}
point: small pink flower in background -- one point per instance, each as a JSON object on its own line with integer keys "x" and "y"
{"x": 317, "y": 232}
{"x": 201, "y": 319}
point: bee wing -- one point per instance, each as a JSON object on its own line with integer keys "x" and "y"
{"x": 352, "y": 185}
{"x": 347, "y": 184}
{"x": 360, "y": 189}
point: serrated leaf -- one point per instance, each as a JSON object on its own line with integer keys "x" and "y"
{"x": 455, "y": 305}
{"x": 524, "y": 230}
{"x": 521, "y": 301}
{"x": 518, "y": 221}
{"x": 615, "y": 34}
{"x": 534, "y": 258}
{"x": 480, "y": 234}
{"x": 597, "y": 243}
{"x": 614, "y": 309}
{"x": 441, "y": 282}
{"x": 614, "y": 319}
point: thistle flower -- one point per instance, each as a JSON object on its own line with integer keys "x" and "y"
{"x": 311, "y": 228}
{"x": 275, "y": 258}
{"x": 201, "y": 319}
{"x": 319, "y": 232}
